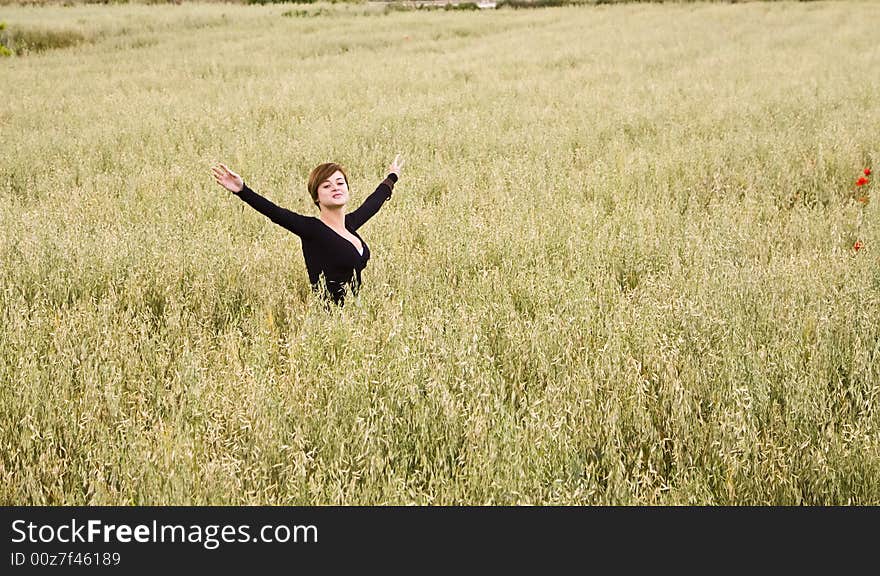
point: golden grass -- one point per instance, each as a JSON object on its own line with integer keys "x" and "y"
{"x": 618, "y": 267}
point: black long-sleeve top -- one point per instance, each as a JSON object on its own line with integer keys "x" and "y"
{"x": 325, "y": 251}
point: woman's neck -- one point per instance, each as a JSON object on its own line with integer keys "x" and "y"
{"x": 333, "y": 217}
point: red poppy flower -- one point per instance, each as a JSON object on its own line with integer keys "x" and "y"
{"x": 858, "y": 245}
{"x": 861, "y": 181}
{"x": 867, "y": 171}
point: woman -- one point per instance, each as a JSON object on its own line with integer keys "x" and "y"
{"x": 330, "y": 243}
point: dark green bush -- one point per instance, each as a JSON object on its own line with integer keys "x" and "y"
{"x": 462, "y": 6}
{"x": 535, "y": 3}
{"x": 279, "y": 2}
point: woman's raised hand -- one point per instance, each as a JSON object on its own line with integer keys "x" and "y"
{"x": 396, "y": 165}
{"x": 227, "y": 178}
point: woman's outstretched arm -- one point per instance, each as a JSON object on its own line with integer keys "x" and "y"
{"x": 296, "y": 223}
{"x": 375, "y": 200}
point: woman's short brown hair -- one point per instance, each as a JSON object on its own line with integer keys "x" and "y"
{"x": 319, "y": 174}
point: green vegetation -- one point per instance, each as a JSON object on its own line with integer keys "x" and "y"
{"x": 37, "y": 39}
{"x": 618, "y": 268}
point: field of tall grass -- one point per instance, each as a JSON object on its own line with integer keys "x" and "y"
{"x": 618, "y": 268}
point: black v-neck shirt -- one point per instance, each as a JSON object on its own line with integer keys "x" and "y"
{"x": 325, "y": 251}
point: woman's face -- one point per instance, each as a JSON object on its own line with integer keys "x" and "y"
{"x": 333, "y": 191}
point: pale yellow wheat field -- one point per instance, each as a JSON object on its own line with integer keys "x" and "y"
{"x": 617, "y": 269}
